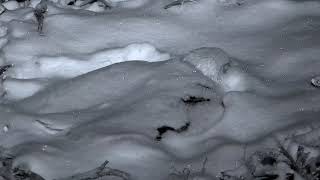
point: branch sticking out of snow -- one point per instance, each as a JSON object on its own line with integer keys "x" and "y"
{"x": 8, "y": 172}
{"x": 3, "y": 69}
{"x": 39, "y": 13}
{"x": 99, "y": 172}
{"x": 2, "y": 8}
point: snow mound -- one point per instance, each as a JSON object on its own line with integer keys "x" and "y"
{"x": 11, "y": 5}
{"x": 16, "y": 89}
{"x": 216, "y": 64}
{"x": 78, "y": 117}
{"x": 78, "y": 101}
{"x": 64, "y": 67}
{"x": 209, "y": 61}
{"x": 68, "y": 66}
{"x": 110, "y": 83}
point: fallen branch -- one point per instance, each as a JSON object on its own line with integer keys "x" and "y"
{"x": 4, "y": 68}
{"x": 99, "y": 172}
{"x": 39, "y": 12}
{"x": 8, "y": 172}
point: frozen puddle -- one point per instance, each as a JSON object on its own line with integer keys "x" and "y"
{"x": 153, "y": 91}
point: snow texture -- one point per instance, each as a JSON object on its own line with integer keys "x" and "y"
{"x": 103, "y": 84}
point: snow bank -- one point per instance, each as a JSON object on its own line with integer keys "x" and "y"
{"x": 222, "y": 69}
{"x": 78, "y": 102}
{"x": 15, "y": 89}
{"x": 209, "y": 61}
{"x": 65, "y": 67}
{"x": 68, "y": 66}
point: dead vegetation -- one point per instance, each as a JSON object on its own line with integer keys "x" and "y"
{"x": 8, "y": 172}
{"x": 39, "y": 12}
{"x": 4, "y": 68}
{"x": 278, "y": 164}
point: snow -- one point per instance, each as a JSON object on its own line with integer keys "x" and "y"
{"x": 99, "y": 83}
{"x": 68, "y": 67}
{"x": 11, "y": 5}
{"x": 18, "y": 89}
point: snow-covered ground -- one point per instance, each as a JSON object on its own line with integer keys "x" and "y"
{"x": 224, "y": 76}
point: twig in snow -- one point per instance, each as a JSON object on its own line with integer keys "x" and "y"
{"x": 204, "y": 163}
{"x": 300, "y": 163}
{"x": 4, "y": 68}
{"x": 98, "y": 173}
{"x": 178, "y": 3}
{"x": 2, "y": 8}
{"x": 39, "y": 12}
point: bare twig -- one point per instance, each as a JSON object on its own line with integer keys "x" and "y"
{"x": 99, "y": 172}
{"x": 178, "y": 3}
{"x": 39, "y": 12}
{"x": 2, "y": 8}
{"x": 299, "y": 164}
{"x": 4, "y": 68}
{"x": 204, "y": 163}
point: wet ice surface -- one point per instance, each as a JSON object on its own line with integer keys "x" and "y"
{"x": 98, "y": 86}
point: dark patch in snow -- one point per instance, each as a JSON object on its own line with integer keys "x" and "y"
{"x": 268, "y": 161}
{"x": 21, "y": 1}
{"x": 71, "y": 3}
{"x": 21, "y": 174}
{"x": 4, "y": 68}
{"x": 7, "y": 172}
{"x": 178, "y": 3}
{"x": 267, "y": 177}
{"x": 316, "y": 81}
{"x": 163, "y": 129}
{"x": 192, "y": 100}
{"x": 39, "y": 12}
{"x": 289, "y": 176}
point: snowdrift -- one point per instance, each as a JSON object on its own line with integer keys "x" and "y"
{"x": 153, "y": 89}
